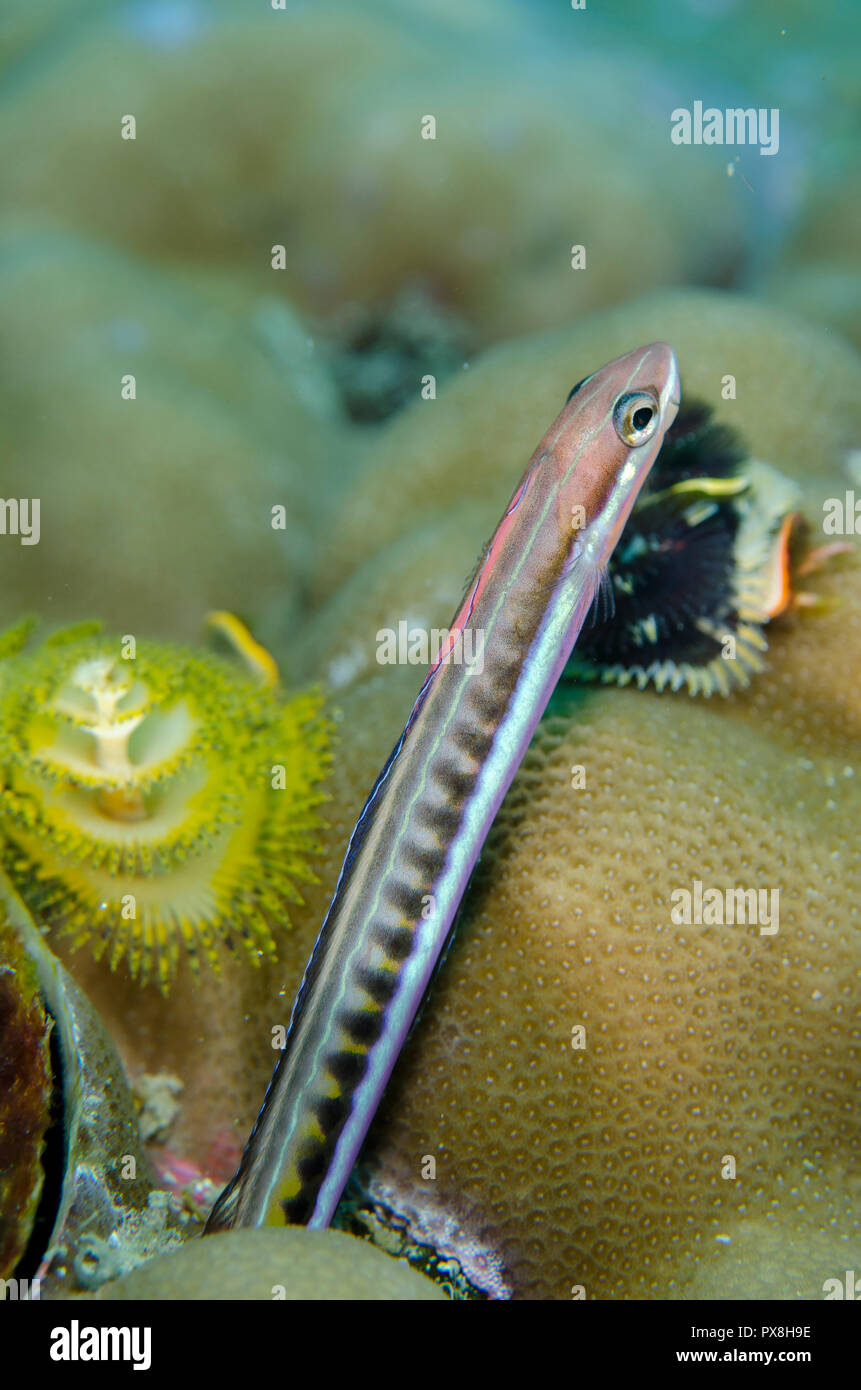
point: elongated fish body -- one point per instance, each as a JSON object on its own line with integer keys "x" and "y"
{"x": 422, "y": 828}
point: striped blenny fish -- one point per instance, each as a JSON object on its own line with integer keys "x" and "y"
{"x": 419, "y": 835}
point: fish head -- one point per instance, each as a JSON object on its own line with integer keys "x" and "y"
{"x": 606, "y": 439}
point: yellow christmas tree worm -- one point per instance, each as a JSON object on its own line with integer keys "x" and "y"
{"x": 153, "y": 798}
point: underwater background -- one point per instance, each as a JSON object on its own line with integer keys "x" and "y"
{"x": 288, "y": 294}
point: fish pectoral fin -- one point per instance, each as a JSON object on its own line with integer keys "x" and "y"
{"x": 603, "y": 608}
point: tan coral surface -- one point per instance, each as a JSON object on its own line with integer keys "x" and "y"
{"x": 294, "y": 1265}
{"x": 603, "y": 1166}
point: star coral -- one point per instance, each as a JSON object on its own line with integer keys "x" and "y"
{"x": 154, "y": 798}
{"x": 602, "y": 1166}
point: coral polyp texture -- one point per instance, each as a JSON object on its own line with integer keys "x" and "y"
{"x": 603, "y": 1166}
{"x": 155, "y": 799}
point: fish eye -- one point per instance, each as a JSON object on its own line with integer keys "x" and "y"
{"x": 635, "y": 417}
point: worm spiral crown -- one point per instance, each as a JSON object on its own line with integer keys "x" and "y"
{"x": 153, "y": 798}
